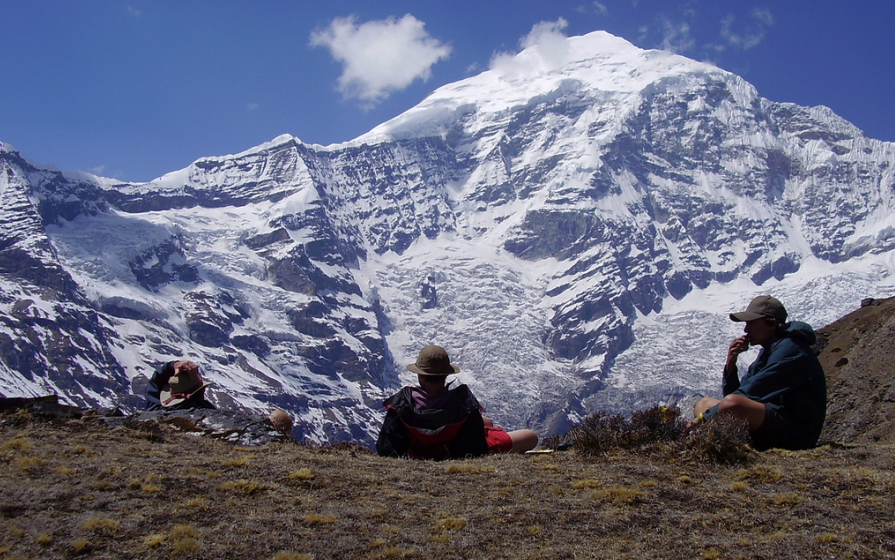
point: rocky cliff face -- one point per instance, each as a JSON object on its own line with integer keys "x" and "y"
{"x": 574, "y": 235}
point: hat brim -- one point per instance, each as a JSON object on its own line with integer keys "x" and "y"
{"x": 417, "y": 370}
{"x": 747, "y": 316}
{"x": 165, "y": 395}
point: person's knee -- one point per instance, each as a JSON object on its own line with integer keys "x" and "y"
{"x": 704, "y": 404}
{"x": 735, "y": 403}
{"x": 744, "y": 407}
{"x": 523, "y": 440}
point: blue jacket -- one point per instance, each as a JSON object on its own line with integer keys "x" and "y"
{"x": 787, "y": 376}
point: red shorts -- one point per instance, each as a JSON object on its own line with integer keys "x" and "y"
{"x": 498, "y": 440}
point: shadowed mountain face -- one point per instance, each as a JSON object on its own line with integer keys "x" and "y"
{"x": 857, "y": 356}
{"x": 574, "y": 235}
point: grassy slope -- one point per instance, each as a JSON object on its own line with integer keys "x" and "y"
{"x": 77, "y": 489}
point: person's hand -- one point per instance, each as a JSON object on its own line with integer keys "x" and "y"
{"x": 737, "y": 347}
{"x": 186, "y": 366}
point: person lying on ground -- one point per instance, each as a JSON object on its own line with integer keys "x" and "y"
{"x": 435, "y": 421}
{"x": 177, "y": 385}
{"x": 783, "y": 395}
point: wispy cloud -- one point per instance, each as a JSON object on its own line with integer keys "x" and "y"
{"x": 253, "y": 107}
{"x": 380, "y": 57}
{"x": 598, "y": 8}
{"x": 134, "y": 11}
{"x": 552, "y": 50}
{"x": 676, "y": 36}
{"x": 749, "y": 35}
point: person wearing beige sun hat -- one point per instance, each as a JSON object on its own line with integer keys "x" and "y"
{"x": 435, "y": 421}
{"x": 177, "y": 385}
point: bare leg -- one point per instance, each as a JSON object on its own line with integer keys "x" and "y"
{"x": 751, "y": 411}
{"x": 523, "y": 440}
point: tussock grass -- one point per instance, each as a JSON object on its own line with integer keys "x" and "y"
{"x": 468, "y": 467}
{"x": 452, "y": 523}
{"x": 19, "y": 444}
{"x": 239, "y": 461}
{"x": 287, "y": 555}
{"x": 302, "y": 475}
{"x": 317, "y": 519}
{"x": 101, "y": 525}
{"x": 243, "y": 486}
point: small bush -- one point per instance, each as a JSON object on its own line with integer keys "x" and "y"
{"x": 601, "y": 432}
{"x": 723, "y": 440}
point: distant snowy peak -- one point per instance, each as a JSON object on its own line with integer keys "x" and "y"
{"x": 598, "y": 61}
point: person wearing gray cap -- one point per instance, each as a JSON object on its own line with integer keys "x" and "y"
{"x": 435, "y": 421}
{"x": 783, "y": 395}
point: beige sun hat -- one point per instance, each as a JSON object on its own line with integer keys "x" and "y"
{"x": 182, "y": 386}
{"x": 433, "y": 360}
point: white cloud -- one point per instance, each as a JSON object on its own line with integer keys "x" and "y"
{"x": 763, "y": 16}
{"x": 380, "y": 57}
{"x": 676, "y": 36}
{"x": 98, "y": 170}
{"x": 253, "y": 107}
{"x": 751, "y": 35}
{"x": 552, "y": 50}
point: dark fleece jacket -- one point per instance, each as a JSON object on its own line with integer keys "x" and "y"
{"x": 787, "y": 376}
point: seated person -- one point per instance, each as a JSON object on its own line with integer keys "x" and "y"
{"x": 433, "y": 421}
{"x": 783, "y": 395}
{"x": 177, "y": 386}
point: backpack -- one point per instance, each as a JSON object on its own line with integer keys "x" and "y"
{"x": 457, "y": 430}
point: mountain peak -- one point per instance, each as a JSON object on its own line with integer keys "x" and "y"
{"x": 597, "y": 61}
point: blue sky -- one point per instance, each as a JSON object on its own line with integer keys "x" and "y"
{"x": 133, "y": 89}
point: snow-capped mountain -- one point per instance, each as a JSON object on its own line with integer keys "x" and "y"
{"x": 573, "y": 228}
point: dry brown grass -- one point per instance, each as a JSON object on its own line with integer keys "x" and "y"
{"x": 78, "y": 489}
